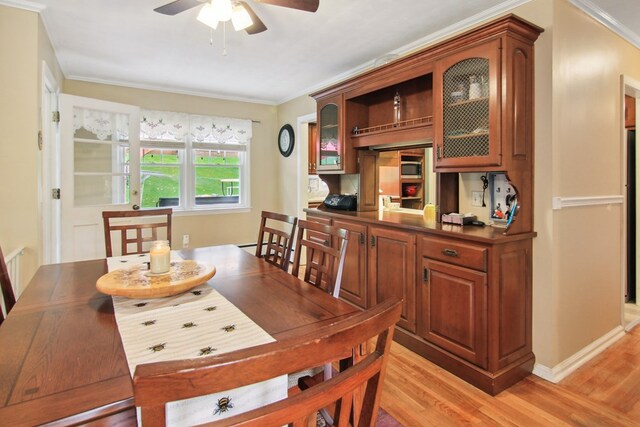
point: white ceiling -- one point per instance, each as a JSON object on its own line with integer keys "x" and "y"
{"x": 125, "y": 42}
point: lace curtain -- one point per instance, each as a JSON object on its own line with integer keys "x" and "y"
{"x": 169, "y": 126}
{"x": 103, "y": 124}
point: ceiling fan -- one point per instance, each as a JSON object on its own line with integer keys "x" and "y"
{"x": 241, "y": 14}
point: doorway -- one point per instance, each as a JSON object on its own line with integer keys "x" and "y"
{"x": 631, "y": 274}
{"x": 49, "y": 144}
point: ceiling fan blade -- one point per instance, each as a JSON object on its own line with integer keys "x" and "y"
{"x": 257, "y": 26}
{"x": 177, "y": 6}
{"x": 306, "y": 5}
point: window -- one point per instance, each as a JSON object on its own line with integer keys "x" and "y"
{"x": 193, "y": 162}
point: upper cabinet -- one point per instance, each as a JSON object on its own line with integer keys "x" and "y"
{"x": 467, "y": 130}
{"x": 332, "y": 155}
{"x": 400, "y": 112}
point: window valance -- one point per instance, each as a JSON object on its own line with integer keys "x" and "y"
{"x": 170, "y": 126}
{"x": 103, "y": 124}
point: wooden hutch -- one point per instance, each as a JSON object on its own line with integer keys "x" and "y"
{"x": 467, "y": 290}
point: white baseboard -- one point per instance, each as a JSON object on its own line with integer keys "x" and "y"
{"x": 569, "y": 365}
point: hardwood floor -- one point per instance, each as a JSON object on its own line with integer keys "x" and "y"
{"x": 604, "y": 392}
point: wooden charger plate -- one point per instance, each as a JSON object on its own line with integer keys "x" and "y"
{"x": 139, "y": 282}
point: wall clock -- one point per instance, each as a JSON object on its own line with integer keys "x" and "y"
{"x": 286, "y": 140}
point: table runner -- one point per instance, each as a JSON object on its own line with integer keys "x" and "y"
{"x": 194, "y": 324}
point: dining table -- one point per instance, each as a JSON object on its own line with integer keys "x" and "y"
{"x": 62, "y": 360}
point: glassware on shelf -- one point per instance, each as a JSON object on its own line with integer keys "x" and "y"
{"x": 396, "y": 108}
{"x": 475, "y": 90}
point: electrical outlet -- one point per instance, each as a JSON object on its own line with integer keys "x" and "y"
{"x": 185, "y": 241}
{"x": 476, "y": 198}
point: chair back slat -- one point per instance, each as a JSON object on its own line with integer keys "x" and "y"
{"x": 324, "y": 257}
{"x": 120, "y": 222}
{"x": 155, "y": 384}
{"x": 8, "y": 296}
{"x": 278, "y": 243}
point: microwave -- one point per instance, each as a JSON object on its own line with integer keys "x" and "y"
{"x": 411, "y": 169}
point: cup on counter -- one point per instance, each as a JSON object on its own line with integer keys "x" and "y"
{"x": 160, "y": 257}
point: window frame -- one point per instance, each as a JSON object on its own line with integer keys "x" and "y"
{"x": 187, "y": 167}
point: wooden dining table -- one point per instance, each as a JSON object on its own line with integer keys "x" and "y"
{"x": 61, "y": 357}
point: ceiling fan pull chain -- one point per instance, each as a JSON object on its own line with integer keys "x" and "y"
{"x": 224, "y": 38}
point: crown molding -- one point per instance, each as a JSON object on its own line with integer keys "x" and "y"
{"x": 24, "y": 4}
{"x": 607, "y": 20}
{"x": 171, "y": 90}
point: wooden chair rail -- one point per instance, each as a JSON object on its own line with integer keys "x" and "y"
{"x": 156, "y": 384}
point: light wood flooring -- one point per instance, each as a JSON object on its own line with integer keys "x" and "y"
{"x": 604, "y": 392}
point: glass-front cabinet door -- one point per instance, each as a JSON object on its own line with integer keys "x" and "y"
{"x": 330, "y": 149}
{"x": 467, "y": 95}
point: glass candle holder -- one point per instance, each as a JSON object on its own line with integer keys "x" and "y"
{"x": 160, "y": 257}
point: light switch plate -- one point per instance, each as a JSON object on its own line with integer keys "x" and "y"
{"x": 476, "y": 198}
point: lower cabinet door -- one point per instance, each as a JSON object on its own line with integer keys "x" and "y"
{"x": 354, "y": 282}
{"x": 454, "y": 310}
{"x": 392, "y": 271}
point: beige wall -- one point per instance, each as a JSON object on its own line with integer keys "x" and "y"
{"x": 290, "y": 181}
{"x": 211, "y": 229}
{"x": 23, "y": 47}
{"x": 588, "y": 60}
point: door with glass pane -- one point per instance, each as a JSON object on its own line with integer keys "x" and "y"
{"x": 100, "y": 170}
{"x": 466, "y": 93}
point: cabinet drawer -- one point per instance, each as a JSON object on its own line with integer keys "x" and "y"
{"x": 462, "y": 254}
{"x": 321, "y": 238}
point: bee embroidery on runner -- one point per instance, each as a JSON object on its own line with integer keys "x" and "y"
{"x": 223, "y": 405}
{"x": 158, "y": 347}
{"x": 207, "y": 350}
{"x": 212, "y": 308}
{"x": 149, "y": 323}
{"x": 141, "y": 304}
{"x": 189, "y": 325}
{"x": 229, "y": 328}
{"x": 196, "y": 292}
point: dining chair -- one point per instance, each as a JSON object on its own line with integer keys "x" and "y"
{"x": 136, "y": 228}
{"x": 279, "y": 241}
{"x": 8, "y": 295}
{"x": 324, "y": 262}
{"x": 156, "y": 384}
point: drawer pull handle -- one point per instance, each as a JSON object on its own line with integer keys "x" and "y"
{"x": 450, "y": 252}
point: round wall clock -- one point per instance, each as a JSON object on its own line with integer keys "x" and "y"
{"x": 286, "y": 140}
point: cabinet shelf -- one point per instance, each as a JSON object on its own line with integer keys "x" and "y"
{"x": 421, "y": 121}
{"x": 467, "y": 135}
{"x": 469, "y": 102}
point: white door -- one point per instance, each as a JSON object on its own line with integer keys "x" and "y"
{"x": 100, "y": 170}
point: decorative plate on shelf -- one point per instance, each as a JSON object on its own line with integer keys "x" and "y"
{"x": 136, "y": 282}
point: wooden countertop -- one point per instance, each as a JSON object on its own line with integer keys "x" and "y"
{"x": 416, "y": 222}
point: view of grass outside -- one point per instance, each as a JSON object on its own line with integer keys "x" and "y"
{"x": 160, "y": 174}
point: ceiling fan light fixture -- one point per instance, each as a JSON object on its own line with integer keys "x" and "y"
{"x": 221, "y": 9}
{"x": 240, "y": 18}
{"x": 207, "y": 17}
